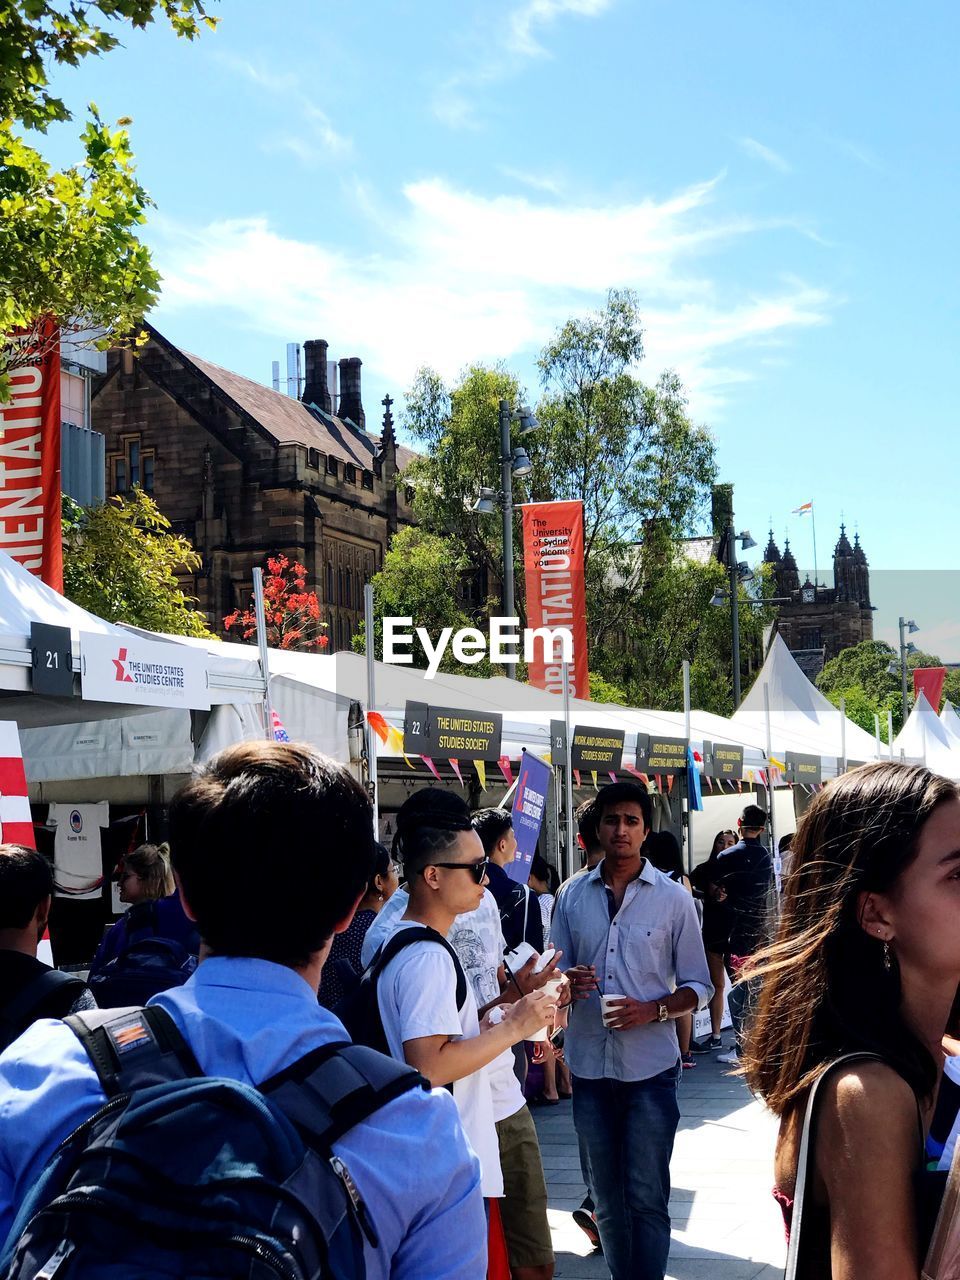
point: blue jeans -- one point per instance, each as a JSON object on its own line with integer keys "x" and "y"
{"x": 740, "y": 1002}
{"x": 628, "y": 1128}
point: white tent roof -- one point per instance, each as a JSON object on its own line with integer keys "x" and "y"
{"x": 950, "y": 720}
{"x": 926, "y": 740}
{"x": 24, "y": 599}
{"x": 799, "y": 711}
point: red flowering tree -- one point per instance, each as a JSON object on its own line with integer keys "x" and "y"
{"x": 293, "y": 612}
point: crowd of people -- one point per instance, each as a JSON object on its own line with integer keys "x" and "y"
{"x": 372, "y": 1026}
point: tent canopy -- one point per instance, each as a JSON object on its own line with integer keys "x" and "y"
{"x": 24, "y": 599}
{"x": 926, "y": 740}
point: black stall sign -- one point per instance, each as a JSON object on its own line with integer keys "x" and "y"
{"x": 596, "y": 748}
{"x": 558, "y": 741}
{"x": 52, "y": 660}
{"x": 450, "y": 733}
{"x": 664, "y": 756}
{"x": 805, "y": 769}
{"x": 722, "y": 760}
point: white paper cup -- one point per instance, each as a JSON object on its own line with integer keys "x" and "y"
{"x": 552, "y": 988}
{"x": 605, "y": 1002}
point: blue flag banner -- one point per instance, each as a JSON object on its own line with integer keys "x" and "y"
{"x": 693, "y": 782}
{"x": 529, "y": 804}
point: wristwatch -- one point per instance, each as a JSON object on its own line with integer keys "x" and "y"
{"x": 662, "y": 1013}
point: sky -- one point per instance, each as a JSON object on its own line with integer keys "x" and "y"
{"x": 426, "y": 183}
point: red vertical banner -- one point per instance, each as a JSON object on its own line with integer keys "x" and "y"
{"x": 30, "y": 460}
{"x": 553, "y": 572}
{"x": 929, "y": 681}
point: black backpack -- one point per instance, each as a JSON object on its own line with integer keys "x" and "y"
{"x": 184, "y": 1175}
{"x": 147, "y": 964}
{"x": 50, "y": 994}
{"x": 359, "y": 1011}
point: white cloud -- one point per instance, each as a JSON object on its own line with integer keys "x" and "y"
{"x": 460, "y": 276}
{"x": 769, "y": 157}
{"x": 505, "y": 44}
{"x": 312, "y": 135}
{"x": 535, "y": 181}
{"x": 524, "y": 21}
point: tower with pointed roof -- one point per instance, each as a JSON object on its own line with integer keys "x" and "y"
{"x": 817, "y": 622}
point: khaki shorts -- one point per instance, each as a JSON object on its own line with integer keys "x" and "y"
{"x": 523, "y": 1208}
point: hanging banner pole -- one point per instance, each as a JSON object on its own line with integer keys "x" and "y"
{"x": 371, "y": 704}
{"x": 686, "y": 730}
{"x": 568, "y": 772}
{"x": 843, "y": 735}
{"x": 261, "y": 617}
{"x": 770, "y": 792}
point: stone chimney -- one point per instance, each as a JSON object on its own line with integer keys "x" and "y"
{"x": 351, "y": 406}
{"x": 315, "y": 390}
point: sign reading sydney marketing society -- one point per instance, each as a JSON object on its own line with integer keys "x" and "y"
{"x": 142, "y": 672}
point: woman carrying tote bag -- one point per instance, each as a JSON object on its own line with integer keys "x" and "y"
{"x": 846, "y": 1042}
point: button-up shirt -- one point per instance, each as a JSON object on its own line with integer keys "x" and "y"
{"x": 646, "y": 949}
{"x": 249, "y": 1019}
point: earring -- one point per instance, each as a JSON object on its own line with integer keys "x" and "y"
{"x": 887, "y": 957}
{"x": 379, "y": 897}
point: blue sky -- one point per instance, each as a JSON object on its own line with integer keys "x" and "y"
{"x": 434, "y": 183}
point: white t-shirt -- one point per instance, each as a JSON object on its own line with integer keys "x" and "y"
{"x": 417, "y": 995}
{"x": 77, "y": 862}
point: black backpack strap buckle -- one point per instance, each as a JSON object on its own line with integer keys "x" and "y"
{"x": 133, "y": 1048}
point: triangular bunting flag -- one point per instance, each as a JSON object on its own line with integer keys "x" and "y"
{"x": 504, "y": 763}
{"x": 379, "y": 726}
{"x": 670, "y": 782}
{"x": 708, "y": 780}
{"x": 576, "y": 777}
{"x": 455, "y": 766}
{"x": 432, "y": 767}
{"x": 612, "y": 776}
{"x": 593, "y": 779}
{"x": 481, "y": 768}
{"x": 739, "y": 787}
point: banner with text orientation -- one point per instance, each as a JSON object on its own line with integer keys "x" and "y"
{"x": 30, "y": 460}
{"x": 553, "y": 572}
{"x": 529, "y": 806}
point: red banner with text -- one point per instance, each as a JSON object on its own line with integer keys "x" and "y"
{"x": 553, "y": 571}
{"x": 930, "y": 681}
{"x": 30, "y": 460}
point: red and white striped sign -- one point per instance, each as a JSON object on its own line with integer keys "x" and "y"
{"x": 16, "y": 825}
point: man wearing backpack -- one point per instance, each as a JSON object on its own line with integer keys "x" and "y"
{"x": 30, "y": 989}
{"x": 417, "y": 990}
{"x": 272, "y": 845}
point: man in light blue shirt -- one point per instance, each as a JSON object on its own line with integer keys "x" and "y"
{"x": 272, "y": 846}
{"x": 628, "y": 932}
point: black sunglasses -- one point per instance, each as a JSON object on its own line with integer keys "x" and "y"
{"x": 477, "y": 869}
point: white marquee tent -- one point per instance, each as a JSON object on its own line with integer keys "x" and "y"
{"x": 924, "y": 739}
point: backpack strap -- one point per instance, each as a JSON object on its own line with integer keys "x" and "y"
{"x": 403, "y": 938}
{"x": 133, "y": 1048}
{"x": 25, "y": 1007}
{"x": 806, "y": 1160}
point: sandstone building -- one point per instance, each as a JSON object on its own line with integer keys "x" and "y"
{"x": 244, "y": 472}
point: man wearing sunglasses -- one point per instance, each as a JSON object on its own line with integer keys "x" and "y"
{"x": 445, "y": 869}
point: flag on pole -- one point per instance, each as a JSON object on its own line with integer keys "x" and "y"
{"x": 807, "y": 508}
{"x": 279, "y": 732}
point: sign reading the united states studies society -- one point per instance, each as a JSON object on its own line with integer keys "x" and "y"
{"x": 445, "y": 733}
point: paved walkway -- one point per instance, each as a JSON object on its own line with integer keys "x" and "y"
{"x": 726, "y": 1225}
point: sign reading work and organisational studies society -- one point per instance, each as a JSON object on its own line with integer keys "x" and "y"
{"x": 529, "y": 806}
{"x": 30, "y": 457}
{"x": 445, "y": 733}
{"x": 125, "y": 668}
{"x": 553, "y": 574}
{"x": 596, "y": 748}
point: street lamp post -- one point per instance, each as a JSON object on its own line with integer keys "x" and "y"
{"x": 513, "y": 462}
{"x": 734, "y": 570}
{"x": 907, "y": 628}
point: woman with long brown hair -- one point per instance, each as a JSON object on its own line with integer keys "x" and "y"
{"x": 866, "y": 960}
